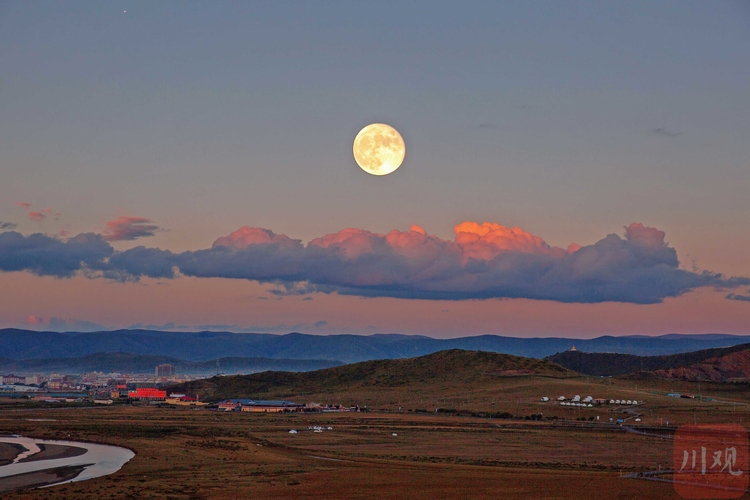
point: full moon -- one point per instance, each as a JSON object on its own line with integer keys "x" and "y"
{"x": 379, "y": 149}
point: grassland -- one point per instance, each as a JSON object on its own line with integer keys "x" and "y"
{"x": 200, "y": 454}
{"x": 183, "y": 453}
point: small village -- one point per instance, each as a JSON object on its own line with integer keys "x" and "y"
{"x": 107, "y": 389}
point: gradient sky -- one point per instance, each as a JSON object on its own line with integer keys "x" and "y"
{"x": 170, "y": 125}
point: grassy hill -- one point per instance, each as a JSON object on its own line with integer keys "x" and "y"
{"x": 732, "y": 366}
{"x": 614, "y": 364}
{"x": 454, "y": 368}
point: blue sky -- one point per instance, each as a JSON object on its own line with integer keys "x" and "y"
{"x": 570, "y": 120}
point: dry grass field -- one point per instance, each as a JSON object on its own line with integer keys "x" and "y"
{"x": 521, "y": 396}
{"x": 185, "y": 453}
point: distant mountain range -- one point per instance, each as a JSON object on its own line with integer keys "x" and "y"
{"x": 204, "y": 346}
{"x": 121, "y": 362}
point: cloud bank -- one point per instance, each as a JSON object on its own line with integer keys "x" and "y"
{"x": 483, "y": 261}
{"x": 47, "y": 256}
{"x": 128, "y": 228}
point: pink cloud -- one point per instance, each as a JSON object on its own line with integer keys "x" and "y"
{"x": 416, "y": 244}
{"x": 350, "y": 242}
{"x": 40, "y": 215}
{"x": 647, "y": 235}
{"x": 573, "y": 248}
{"x": 246, "y": 236}
{"x": 37, "y": 216}
{"x": 473, "y": 240}
{"x": 488, "y": 240}
{"x": 36, "y": 321}
{"x": 50, "y": 211}
{"x": 128, "y": 228}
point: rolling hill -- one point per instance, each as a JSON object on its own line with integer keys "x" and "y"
{"x": 672, "y": 366}
{"x": 730, "y": 367}
{"x": 454, "y": 366}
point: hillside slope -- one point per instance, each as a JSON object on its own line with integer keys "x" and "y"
{"x": 453, "y": 366}
{"x": 734, "y": 366}
{"x": 614, "y": 364}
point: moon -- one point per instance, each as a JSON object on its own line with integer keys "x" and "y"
{"x": 379, "y": 149}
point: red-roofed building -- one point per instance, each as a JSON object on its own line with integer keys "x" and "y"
{"x": 148, "y": 393}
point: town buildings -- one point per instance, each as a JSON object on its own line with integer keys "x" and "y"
{"x": 260, "y": 406}
{"x": 265, "y": 406}
{"x": 163, "y": 371}
{"x": 148, "y": 394}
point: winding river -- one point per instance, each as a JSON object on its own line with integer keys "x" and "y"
{"x": 100, "y": 460}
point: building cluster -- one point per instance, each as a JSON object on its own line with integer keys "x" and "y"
{"x": 102, "y": 388}
{"x": 147, "y": 394}
{"x": 93, "y": 381}
{"x": 111, "y": 388}
{"x": 155, "y": 396}
{"x": 164, "y": 371}
{"x": 590, "y": 401}
{"x": 54, "y": 381}
{"x": 12, "y": 379}
{"x": 265, "y": 406}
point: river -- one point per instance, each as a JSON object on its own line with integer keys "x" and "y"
{"x": 100, "y": 460}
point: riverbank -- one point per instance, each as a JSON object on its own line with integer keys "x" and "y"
{"x": 32, "y": 463}
{"x": 9, "y": 452}
{"x": 38, "y": 479}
